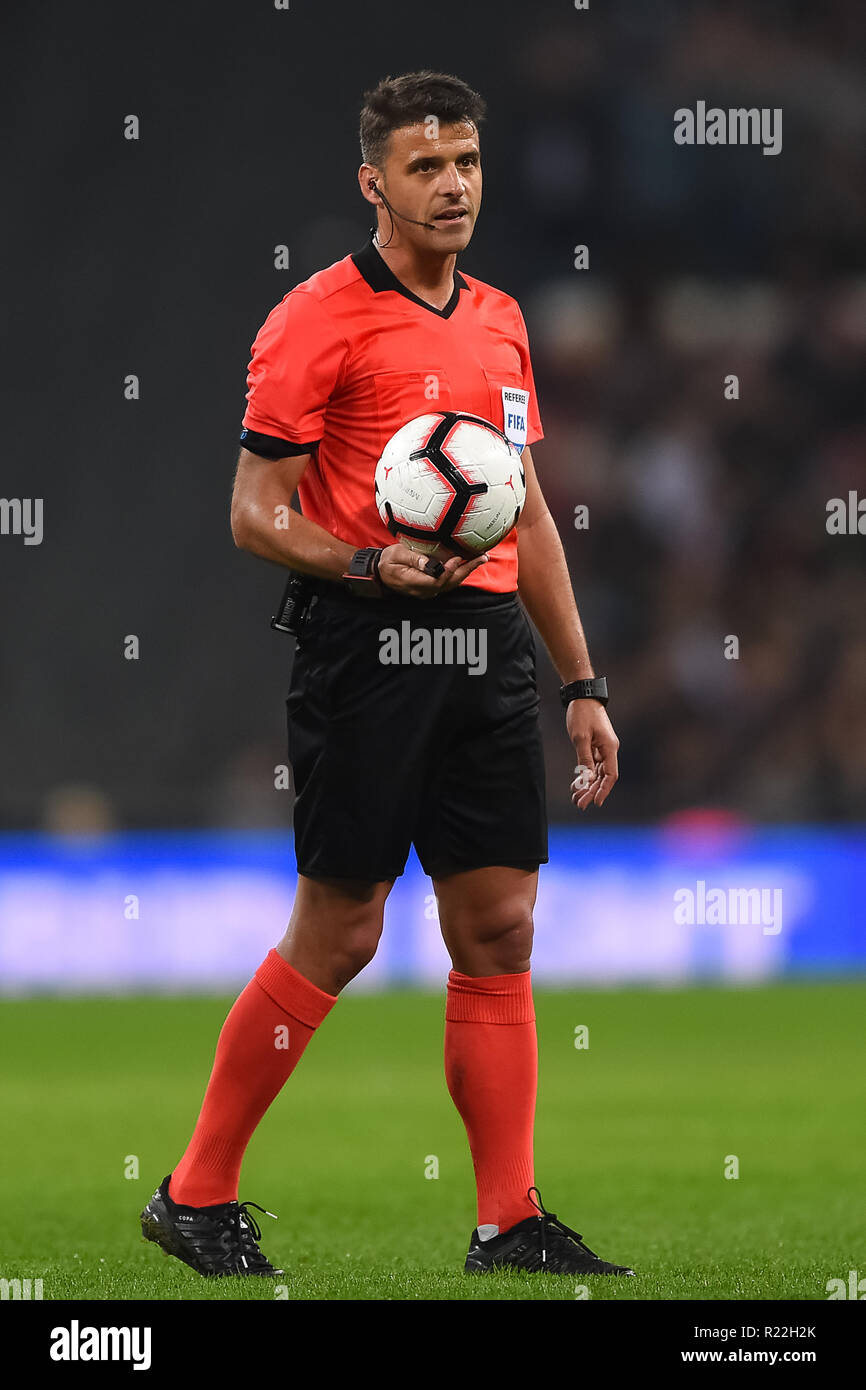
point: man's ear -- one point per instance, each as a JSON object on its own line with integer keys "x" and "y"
{"x": 368, "y": 178}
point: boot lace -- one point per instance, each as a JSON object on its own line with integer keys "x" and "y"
{"x": 552, "y": 1231}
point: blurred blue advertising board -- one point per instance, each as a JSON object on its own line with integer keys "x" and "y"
{"x": 197, "y": 912}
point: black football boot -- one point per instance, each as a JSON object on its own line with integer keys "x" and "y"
{"x": 214, "y": 1241}
{"x": 540, "y": 1243}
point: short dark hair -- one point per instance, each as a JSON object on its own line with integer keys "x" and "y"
{"x": 408, "y": 100}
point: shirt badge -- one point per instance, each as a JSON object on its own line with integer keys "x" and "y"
{"x": 515, "y": 408}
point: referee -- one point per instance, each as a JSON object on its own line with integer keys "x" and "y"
{"x": 384, "y": 755}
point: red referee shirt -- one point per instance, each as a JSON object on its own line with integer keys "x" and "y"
{"x": 350, "y": 355}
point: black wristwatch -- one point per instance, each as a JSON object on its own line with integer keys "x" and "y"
{"x": 362, "y": 576}
{"x": 593, "y": 688}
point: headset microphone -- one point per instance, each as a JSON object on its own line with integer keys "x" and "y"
{"x": 375, "y": 187}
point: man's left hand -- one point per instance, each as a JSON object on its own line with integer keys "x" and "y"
{"x": 595, "y": 744}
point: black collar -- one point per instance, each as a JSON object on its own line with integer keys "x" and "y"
{"x": 380, "y": 276}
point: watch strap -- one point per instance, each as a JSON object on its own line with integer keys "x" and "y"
{"x": 362, "y": 574}
{"x": 590, "y": 688}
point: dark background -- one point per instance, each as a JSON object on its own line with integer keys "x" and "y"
{"x": 707, "y": 516}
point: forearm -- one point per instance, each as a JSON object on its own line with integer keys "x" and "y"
{"x": 288, "y": 538}
{"x": 545, "y": 588}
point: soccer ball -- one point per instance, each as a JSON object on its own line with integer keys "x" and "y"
{"x": 450, "y": 483}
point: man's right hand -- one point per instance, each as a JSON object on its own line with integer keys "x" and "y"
{"x": 403, "y": 569}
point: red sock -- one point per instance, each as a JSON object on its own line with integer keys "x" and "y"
{"x": 491, "y": 1067}
{"x": 259, "y": 1047}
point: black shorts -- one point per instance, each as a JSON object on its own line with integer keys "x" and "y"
{"x": 416, "y": 721}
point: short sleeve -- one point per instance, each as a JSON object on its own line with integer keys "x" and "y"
{"x": 534, "y": 428}
{"x": 297, "y": 360}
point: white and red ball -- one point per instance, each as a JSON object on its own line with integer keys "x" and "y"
{"x": 450, "y": 482}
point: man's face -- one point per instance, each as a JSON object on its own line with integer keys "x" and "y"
{"x": 433, "y": 173}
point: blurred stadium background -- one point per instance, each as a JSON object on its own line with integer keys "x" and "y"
{"x": 144, "y": 841}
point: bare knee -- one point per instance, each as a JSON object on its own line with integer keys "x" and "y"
{"x": 495, "y": 942}
{"x": 354, "y": 951}
{"x": 334, "y": 930}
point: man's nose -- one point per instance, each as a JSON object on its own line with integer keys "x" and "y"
{"x": 451, "y": 182}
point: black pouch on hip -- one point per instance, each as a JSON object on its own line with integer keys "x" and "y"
{"x": 294, "y": 605}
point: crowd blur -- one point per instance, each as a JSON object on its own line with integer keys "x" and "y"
{"x": 732, "y": 624}
{"x": 707, "y": 498}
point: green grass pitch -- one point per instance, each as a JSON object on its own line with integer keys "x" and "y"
{"x": 633, "y": 1135}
